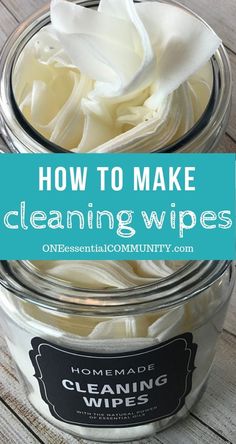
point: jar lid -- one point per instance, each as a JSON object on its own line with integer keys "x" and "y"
{"x": 27, "y": 283}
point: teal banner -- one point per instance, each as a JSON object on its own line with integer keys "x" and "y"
{"x": 125, "y": 207}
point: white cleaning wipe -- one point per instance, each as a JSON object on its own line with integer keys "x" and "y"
{"x": 182, "y": 45}
{"x": 128, "y": 77}
{"x": 110, "y": 45}
{"x": 127, "y": 47}
{"x": 101, "y": 275}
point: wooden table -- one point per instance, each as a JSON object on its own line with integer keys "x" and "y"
{"x": 214, "y": 418}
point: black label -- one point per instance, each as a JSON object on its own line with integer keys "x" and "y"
{"x": 115, "y": 390}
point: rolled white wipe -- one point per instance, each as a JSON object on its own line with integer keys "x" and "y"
{"x": 124, "y": 78}
{"x": 101, "y": 275}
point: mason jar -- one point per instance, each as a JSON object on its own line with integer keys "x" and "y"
{"x": 22, "y": 138}
{"x": 115, "y": 365}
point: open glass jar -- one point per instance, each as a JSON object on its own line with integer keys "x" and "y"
{"x": 21, "y": 137}
{"x": 114, "y": 366}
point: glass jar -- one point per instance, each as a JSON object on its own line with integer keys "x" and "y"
{"x": 22, "y": 138}
{"x": 114, "y": 366}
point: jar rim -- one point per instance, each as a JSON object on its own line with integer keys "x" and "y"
{"x": 48, "y": 292}
{"x": 11, "y": 115}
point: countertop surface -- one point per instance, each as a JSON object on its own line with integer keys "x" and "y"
{"x": 213, "y": 420}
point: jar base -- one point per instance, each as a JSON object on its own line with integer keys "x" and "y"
{"x": 142, "y": 433}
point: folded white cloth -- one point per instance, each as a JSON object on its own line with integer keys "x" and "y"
{"x": 127, "y": 47}
{"x": 101, "y": 275}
